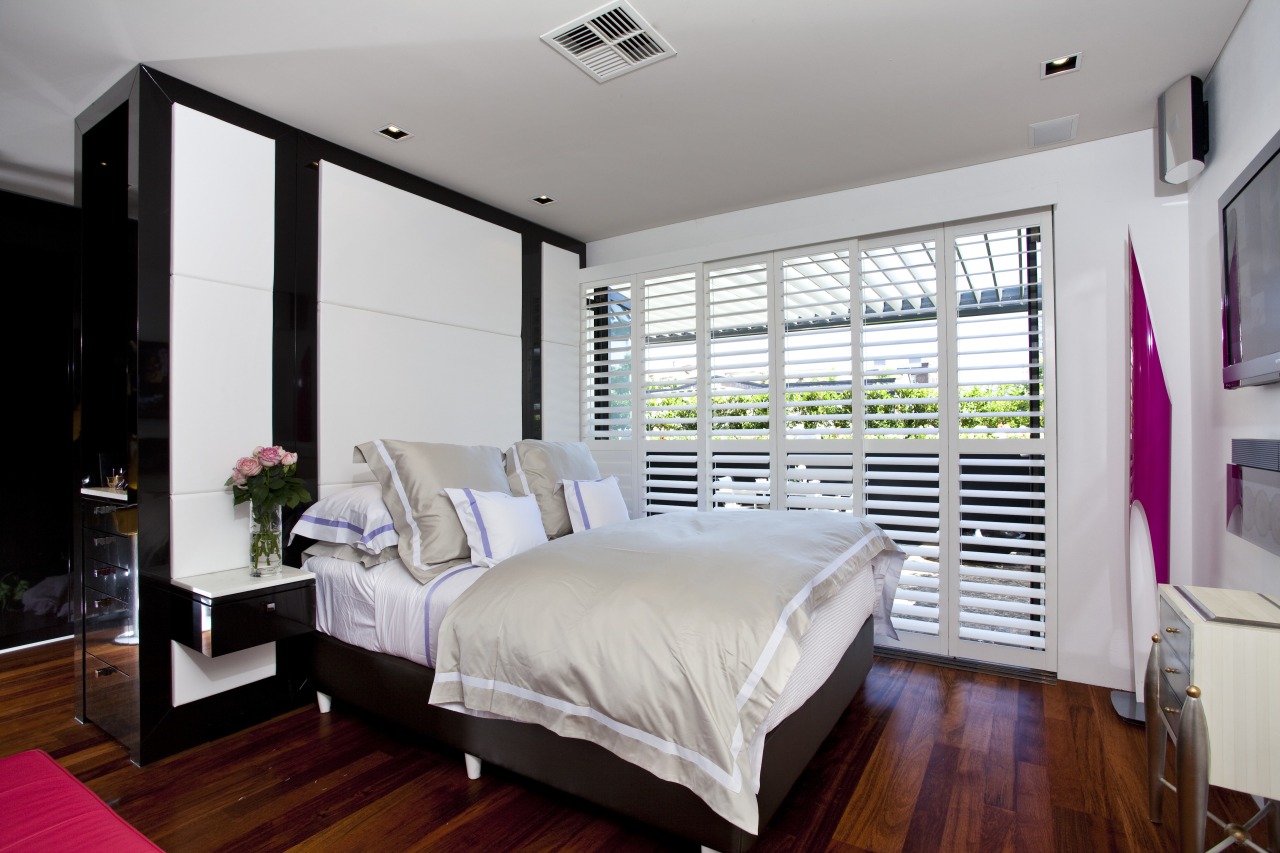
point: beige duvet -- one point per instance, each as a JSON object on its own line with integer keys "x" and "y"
{"x": 664, "y": 639}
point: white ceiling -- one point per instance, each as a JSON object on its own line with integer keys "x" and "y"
{"x": 764, "y": 101}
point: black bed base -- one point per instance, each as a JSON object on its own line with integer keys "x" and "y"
{"x": 396, "y": 689}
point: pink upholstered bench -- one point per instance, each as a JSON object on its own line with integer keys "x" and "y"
{"x": 46, "y": 809}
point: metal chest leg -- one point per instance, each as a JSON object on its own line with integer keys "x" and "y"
{"x": 1192, "y": 762}
{"x": 1156, "y": 737}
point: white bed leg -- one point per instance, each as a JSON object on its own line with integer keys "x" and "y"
{"x": 473, "y": 765}
{"x": 705, "y": 849}
{"x": 324, "y": 702}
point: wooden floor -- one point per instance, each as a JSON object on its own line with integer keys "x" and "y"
{"x": 926, "y": 759}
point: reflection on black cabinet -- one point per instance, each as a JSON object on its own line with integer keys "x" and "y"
{"x": 107, "y": 617}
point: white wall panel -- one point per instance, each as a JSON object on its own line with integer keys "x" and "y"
{"x": 224, "y": 195}
{"x": 220, "y": 380}
{"x": 207, "y": 533}
{"x": 387, "y": 250}
{"x": 560, "y": 383}
{"x": 382, "y": 376}
{"x": 561, "y": 295}
{"x": 196, "y": 676}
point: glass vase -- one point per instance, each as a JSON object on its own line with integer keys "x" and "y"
{"x": 265, "y": 531}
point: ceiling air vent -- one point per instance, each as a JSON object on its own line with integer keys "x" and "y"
{"x": 610, "y": 41}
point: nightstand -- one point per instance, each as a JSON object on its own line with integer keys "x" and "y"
{"x": 1212, "y": 685}
{"x": 223, "y": 612}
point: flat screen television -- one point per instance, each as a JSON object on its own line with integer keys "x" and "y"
{"x": 1250, "y": 217}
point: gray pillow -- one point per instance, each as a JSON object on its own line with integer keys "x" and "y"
{"x": 536, "y": 467}
{"x": 413, "y": 475}
{"x": 351, "y": 554}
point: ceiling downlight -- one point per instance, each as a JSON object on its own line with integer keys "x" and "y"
{"x": 609, "y": 42}
{"x": 394, "y": 132}
{"x": 1060, "y": 65}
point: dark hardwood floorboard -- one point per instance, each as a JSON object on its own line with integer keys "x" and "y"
{"x": 927, "y": 758}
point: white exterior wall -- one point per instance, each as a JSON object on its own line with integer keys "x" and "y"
{"x": 1101, "y": 192}
{"x": 1244, "y": 114}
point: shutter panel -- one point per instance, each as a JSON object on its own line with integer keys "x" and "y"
{"x": 820, "y": 481}
{"x": 738, "y": 351}
{"x": 1003, "y": 579}
{"x": 902, "y": 495}
{"x": 606, "y": 356}
{"x": 900, "y": 354}
{"x": 739, "y": 480}
{"x": 1000, "y": 359}
{"x": 671, "y": 357}
{"x": 670, "y": 481}
{"x": 817, "y": 345}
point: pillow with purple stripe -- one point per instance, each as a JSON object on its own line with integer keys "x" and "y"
{"x": 498, "y": 525}
{"x": 356, "y": 517}
{"x": 594, "y": 503}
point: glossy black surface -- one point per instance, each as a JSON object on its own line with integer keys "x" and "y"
{"x": 231, "y": 623}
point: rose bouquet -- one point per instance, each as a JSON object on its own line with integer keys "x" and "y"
{"x": 267, "y": 480}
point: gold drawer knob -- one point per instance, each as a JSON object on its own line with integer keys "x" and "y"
{"x": 1193, "y": 692}
{"x": 1173, "y": 670}
{"x": 1169, "y": 710}
{"x": 1172, "y": 631}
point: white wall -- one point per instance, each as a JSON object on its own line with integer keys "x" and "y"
{"x": 560, "y": 336}
{"x": 1100, "y": 192}
{"x": 1244, "y": 114}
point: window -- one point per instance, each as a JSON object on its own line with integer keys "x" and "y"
{"x": 905, "y": 378}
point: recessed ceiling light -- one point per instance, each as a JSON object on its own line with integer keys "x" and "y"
{"x": 1061, "y": 65}
{"x": 394, "y": 133}
{"x": 543, "y": 199}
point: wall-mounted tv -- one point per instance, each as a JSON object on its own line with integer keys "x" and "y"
{"x": 1250, "y": 216}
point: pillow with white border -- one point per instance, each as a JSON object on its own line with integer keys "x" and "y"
{"x": 594, "y": 503}
{"x": 498, "y": 525}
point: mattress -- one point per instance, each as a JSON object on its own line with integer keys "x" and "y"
{"x": 385, "y": 609}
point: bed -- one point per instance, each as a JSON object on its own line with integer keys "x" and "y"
{"x": 681, "y": 669}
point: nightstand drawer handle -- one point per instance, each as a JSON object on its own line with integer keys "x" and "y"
{"x": 104, "y": 573}
{"x": 104, "y": 510}
{"x": 1169, "y": 710}
{"x": 104, "y": 540}
{"x": 102, "y": 673}
{"x": 100, "y": 603}
{"x": 270, "y": 607}
{"x": 1172, "y": 670}
{"x": 1172, "y": 631}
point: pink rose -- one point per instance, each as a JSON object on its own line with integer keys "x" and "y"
{"x": 237, "y": 479}
{"x": 289, "y": 459}
{"x": 246, "y": 466}
{"x": 270, "y": 456}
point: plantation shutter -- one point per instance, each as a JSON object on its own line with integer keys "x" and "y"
{"x": 902, "y": 494}
{"x": 820, "y": 481}
{"x": 1001, "y": 528}
{"x": 738, "y": 351}
{"x": 817, "y": 345}
{"x": 670, "y": 481}
{"x": 671, "y": 357}
{"x": 900, "y": 345}
{"x": 606, "y": 367}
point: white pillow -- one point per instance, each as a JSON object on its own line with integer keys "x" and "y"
{"x": 594, "y": 503}
{"x": 498, "y": 525}
{"x": 355, "y": 517}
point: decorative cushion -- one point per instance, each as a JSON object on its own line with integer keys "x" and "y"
{"x": 536, "y": 467}
{"x": 594, "y": 503}
{"x": 352, "y": 554}
{"x": 356, "y": 517}
{"x": 498, "y": 525}
{"x": 413, "y": 476}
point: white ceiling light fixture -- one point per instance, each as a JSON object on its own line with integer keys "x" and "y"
{"x": 542, "y": 199}
{"x": 1060, "y": 65}
{"x": 609, "y": 42}
{"x": 394, "y": 132}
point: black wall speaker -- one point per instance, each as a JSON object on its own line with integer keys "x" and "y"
{"x": 1184, "y": 130}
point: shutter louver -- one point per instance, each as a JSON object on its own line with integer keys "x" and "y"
{"x": 1000, "y": 334}
{"x": 902, "y": 495}
{"x": 606, "y": 367}
{"x": 1003, "y": 576}
{"x": 738, "y": 351}
{"x": 671, "y": 357}
{"x": 900, "y": 353}
{"x": 817, "y": 345}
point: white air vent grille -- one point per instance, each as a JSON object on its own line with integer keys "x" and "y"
{"x": 610, "y": 41}
{"x": 1054, "y": 131}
